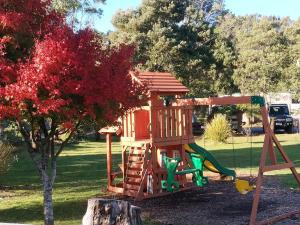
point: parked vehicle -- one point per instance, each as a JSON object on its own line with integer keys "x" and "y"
{"x": 198, "y": 128}
{"x": 281, "y": 115}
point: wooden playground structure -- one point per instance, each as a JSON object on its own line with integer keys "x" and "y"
{"x": 158, "y": 150}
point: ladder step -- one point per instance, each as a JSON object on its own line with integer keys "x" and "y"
{"x": 133, "y": 175}
{"x": 132, "y": 186}
{"x": 135, "y": 158}
{"x": 136, "y": 180}
{"x": 134, "y": 172}
{"x": 278, "y": 167}
{"x": 137, "y": 155}
{"x": 134, "y": 165}
{"x": 137, "y": 151}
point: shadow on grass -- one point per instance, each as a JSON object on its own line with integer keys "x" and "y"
{"x": 63, "y": 211}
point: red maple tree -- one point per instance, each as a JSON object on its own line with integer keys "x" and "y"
{"x": 52, "y": 79}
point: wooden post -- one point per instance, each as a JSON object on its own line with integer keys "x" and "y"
{"x": 268, "y": 131}
{"x": 259, "y": 180}
{"x": 108, "y": 159}
{"x": 184, "y": 164}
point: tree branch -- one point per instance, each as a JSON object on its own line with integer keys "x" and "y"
{"x": 63, "y": 144}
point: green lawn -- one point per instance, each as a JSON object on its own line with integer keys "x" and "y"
{"x": 82, "y": 175}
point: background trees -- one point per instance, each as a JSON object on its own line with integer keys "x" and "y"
{"x": 211, "y": 50}
{"x": 263, "y": 54}
{"x": 176, "y": 36}
{"x": 291, "y": 79}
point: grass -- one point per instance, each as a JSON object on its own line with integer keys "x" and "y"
{"x": 82, "y": 175}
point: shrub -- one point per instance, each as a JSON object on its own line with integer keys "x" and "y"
{"x": 6, "y": 155}
{"x": 218, "y": 129}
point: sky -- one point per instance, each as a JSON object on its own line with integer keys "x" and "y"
{"x": 279, "y": 8}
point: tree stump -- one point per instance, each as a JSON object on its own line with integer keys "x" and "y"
{"x": 111, "y": 212}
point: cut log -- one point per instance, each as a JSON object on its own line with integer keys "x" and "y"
{"x": 111, "y": 212}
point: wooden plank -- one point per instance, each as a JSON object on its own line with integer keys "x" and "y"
{"x": 168, "y": 123}
{"x": 173, "y": 128}
{"x": 167, "y": 143}
{"x": 159, "y": 107}
{"x": 132, "y": 158}
{"x": 163, "y": 123}
{"x": 278, "y": 218}
{"x": 259, "y": 180}
{"x": 286, "y": 158}
{"x": 137, "y": 152}
{"x": 268, "y": 131}
{"x": 159, "y": 121}
{"x": 183, "y": 133}
{"x": 136, "y": 180}
{"x": 184, "y": 164}
{"x": 278, "y": 167}
{"x": 272, "y": 154}
{"x": 154, "y": 166}
{"x": 190, "y": 122}
{"x": 153, "y": 122}
{"x": 280, "y": 148}
{"x": 227, "y": 100}
{"x": 132, "y": 166}
{"x": 178, "y": 122}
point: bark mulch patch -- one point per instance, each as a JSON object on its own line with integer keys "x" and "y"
{"x": 220, "y": 203}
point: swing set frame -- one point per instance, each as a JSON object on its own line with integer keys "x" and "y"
{"x": 268, "y": 149}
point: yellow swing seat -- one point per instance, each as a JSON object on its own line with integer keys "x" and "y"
{"x": 243, "y": 186}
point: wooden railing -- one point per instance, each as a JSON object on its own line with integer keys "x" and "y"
{"x": 171, "y": 122}
{"x": 135, "y": 123}
{"x": 158, "y": 123}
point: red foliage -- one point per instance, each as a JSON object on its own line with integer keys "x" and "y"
{"x": 63, "y": 74}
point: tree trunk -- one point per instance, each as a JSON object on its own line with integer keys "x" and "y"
{"x": 111, "y": 212}
{"x": 48, "y": 205}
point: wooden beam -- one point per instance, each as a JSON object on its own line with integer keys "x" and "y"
{"x": 278, "y": 218}
{"x": 227, "y": 100}
{"x": 259, "y": 181}
{"x": 285, "y": 157}
{"x": 278, "y": 167}
{"x": 269, "y": 132}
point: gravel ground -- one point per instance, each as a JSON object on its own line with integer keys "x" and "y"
{"x": 219, "y": 203}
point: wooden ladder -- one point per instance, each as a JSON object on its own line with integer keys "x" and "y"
{"x": 135, "y": 170}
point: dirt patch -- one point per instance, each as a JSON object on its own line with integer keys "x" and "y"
{"x": 220, "y": 203}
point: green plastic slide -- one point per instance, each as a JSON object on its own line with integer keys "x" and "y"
{"x": 210, "y": 162}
